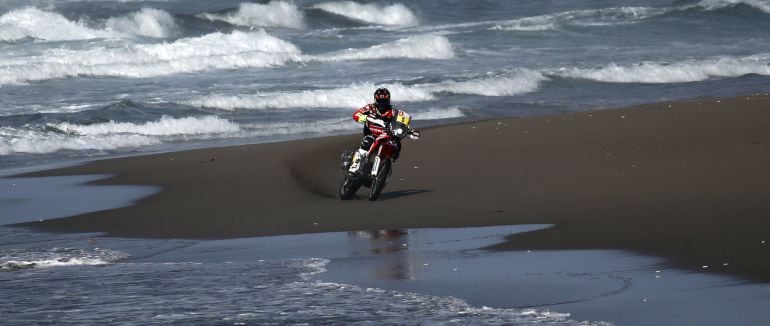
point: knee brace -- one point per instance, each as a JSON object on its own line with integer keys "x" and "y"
{"x": 367, "y": 142}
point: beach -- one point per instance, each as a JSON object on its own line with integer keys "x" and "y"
{"x": 686, "y": 181}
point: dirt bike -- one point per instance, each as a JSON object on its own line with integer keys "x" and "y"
{"x": 376, "y": 167}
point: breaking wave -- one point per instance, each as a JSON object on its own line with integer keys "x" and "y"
{"x": 356, "y": 95}
{"x": 146, "y": 22}
{"x": 17, "y": 259}
{"x": 37, "y": 142}
{"x": 110, "y": 135}
{"x": 273, "y": 14}
{"x": 678, "y": 72}
{"x": 438, "y": 113}
{"x": 615, "y": 16}
{"x": 166, "y": 126}
{"x": 391, "y": 15}
{"x": 415, "y": 47}
{"x": 352, "y": 96}
{"x": 598, "y": 17}
{"x": 256, "y": 49}
{"x": 31, "y": 22}
{"x": 211, "y": 51}
{"x": 525, "y": 81}
{"x": 762, "y": 5}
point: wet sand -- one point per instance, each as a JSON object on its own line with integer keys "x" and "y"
{"x": 686, "y": 181}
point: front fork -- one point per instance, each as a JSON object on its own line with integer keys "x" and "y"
{"x": 375, "y": 166}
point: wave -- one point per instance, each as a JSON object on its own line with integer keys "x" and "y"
{"x": 16, "y": 259}
{"x": 256, "y": 49}
{"x": 357, "y": 95}
{"x": 438, "y": 113}
{"x": 110, "y": 135}
{"x": 166, "y": 126}
{"x": 353, "y": 96}
{"x": 392, "y": 15}
{"x": 146, "y": 22}
{"x": 525, "y": 81}
{"x": 211, "y": 51}
{"x": 678, "y": 72}
{"x": 762, "y": 5}
{"x": 415, "y": 47}
{"x": 273, "y": 14}
{"x": 593, "y": 17}
{"x": 31, "y": 22}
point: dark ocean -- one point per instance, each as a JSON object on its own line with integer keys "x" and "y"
{"x": 91, "y": 79}
{"x": 82, "y": 80}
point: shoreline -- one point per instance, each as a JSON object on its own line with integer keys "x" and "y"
{"x": 685, "y": 180}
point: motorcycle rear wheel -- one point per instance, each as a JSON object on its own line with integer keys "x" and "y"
{"x": 348, "y": 187}
{"x": 379, "y": 182}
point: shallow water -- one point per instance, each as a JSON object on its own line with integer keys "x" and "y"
{"x": 433, "y": 276}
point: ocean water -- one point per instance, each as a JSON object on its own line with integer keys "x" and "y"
{"x": 83, "y": 79}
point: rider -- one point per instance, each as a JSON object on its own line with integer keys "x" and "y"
{"x": 375, "y": 117}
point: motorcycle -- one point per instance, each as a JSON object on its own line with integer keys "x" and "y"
{"x": 376, "y": 167}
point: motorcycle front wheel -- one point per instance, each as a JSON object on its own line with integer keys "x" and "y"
{"x": 379, "y": 182}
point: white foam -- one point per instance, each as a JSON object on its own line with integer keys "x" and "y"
{"x": 525, "y": 81}
{"x": 415, "y": 47}
{"x": 299, "y": 128}
{"x": 166, "y": 126}
{"x": 146, "y": 22}
{"x": 438, "y": 113}
{"x": 592, "y": 17}
{"x": 16, "y": 259}
{"x": 357, "y": 95}
{"x": 352, "y": 96}
{"x": 678, "y": 72}
{"x": 50, "y": 26}
{"x": 273, "y": 14}
{"x": 256, "y": 49}
{"x": 36, "y": 142}
{"x": 211, "y": 51}
{"x": 39, "y": 24}
{"x": 110, "y": 135}
{"x": 762, "y": 5}
{"x": 391, "y": 15}
{"x": 328, "y": 126}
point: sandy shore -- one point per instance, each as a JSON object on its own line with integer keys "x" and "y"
{"x": 687, "y": 181}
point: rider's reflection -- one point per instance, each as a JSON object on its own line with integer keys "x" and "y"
{"x": 395, "y": 264}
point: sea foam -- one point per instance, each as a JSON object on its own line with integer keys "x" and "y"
{"x": 358, "y": 94}
{"x": 415, "y": 47}
{"x": 256, "y": 49}
{"x": 762, "y": 5}
{"x": 31, "y": 22}
{"x": 166, "y": 126}
{"x": 211, "y": 51}
{"x": 390, "y": 15}
{"x": 273, "y": 14}
{"x": 524, "y": 81}
{"x": 352, "y": 96}
{"x": 16, "y": 259}
{"x": 146, "y": 22}
{"x": 590, "y": 17}
{"x": 110, "y": 135}
{"x": 677, "y": 72}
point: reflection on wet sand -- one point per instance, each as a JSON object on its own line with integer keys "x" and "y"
{"x": 398, "y": 265}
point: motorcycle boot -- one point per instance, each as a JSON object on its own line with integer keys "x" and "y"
{"x": 358, "y": 160}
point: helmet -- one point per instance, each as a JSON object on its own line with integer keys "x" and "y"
{"x": 382, "y": 99}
